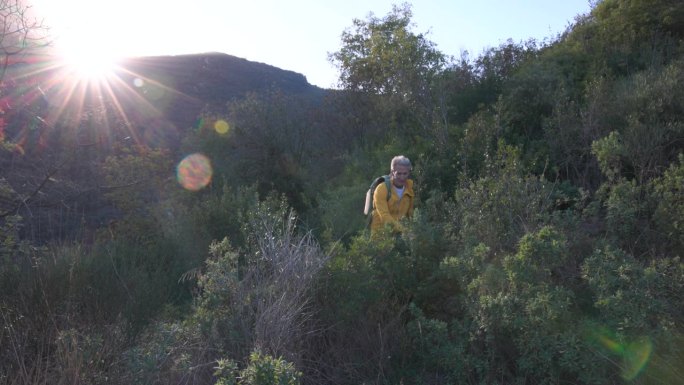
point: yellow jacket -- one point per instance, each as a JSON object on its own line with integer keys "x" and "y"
{"x": 392, "y": 210}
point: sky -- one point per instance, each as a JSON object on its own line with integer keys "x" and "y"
{"x": 294, "y": 35}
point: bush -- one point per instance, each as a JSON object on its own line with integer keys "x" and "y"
{"x": 260, "y": 297}
{"x": 55, "y": 324}
{"x": 266, "y": 370}
{"x": 637, "y": 312}
{"x": 261, "y": 370}
{"x": 501, "y": 206}
{"x": 669, "y": 212}
{"x": 169, "y": 352}
{"x": 512, "y": 320}
{"x": 633, "y": 297}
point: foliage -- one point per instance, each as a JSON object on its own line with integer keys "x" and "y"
{"x": 343, "y": 199}
{"x": 668, "y": 213}
{"x": 262, "y": 369}
{"x": 266, "y": 370}
{"x": 365, "y": 295}
{"x": 635, "y": 304}
{"x": 143, "y": 168}
{"x": 646, "y": 130}
{"x": 225, "y": 372}
{"x": 271, "y": 143}
{"x": 631, "y": 297}
{"x": 478, "y": 144}
{"x": 168, "y": 352}
{"x": 384, "y": 57}
{"x": 261, "y": 297}
{"x": 55, "y": 322}
{"x": 635, "y": 212}
{"x": 619, "y": 38}
{"x": 545, "y": 247}
{"x": 523, "y": 317}
{"x": 503, "y": 204}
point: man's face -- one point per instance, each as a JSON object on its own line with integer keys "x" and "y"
{"x": 400, "y": 175}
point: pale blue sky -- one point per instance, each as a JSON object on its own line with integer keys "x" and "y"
{"x": 294, "y": 35}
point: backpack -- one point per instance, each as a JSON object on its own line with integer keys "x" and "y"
{"x": 368, "y": 209}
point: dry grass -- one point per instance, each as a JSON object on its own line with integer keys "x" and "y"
{"x": 279, "y": 285}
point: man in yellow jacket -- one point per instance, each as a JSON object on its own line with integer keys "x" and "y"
{"x": 400, "y": 203}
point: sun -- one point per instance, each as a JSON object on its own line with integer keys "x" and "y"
{"x": 89, "y": 64}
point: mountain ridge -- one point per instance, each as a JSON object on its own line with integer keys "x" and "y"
{"x": 210, "y": 80}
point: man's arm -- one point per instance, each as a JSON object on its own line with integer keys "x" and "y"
{"x": 381, "y": 206}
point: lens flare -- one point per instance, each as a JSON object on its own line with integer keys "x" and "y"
{"x": 610, "y": 344}
{"x": 194, "y": 172}
{"x": 221, "y": 126}
{"x": 635, "y": 355}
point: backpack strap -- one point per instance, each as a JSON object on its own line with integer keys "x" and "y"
{"x": 371, "y": 191}
{"x": 388, "y": 184}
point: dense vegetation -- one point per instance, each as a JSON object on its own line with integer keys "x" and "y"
{"x": 546, "y": 246}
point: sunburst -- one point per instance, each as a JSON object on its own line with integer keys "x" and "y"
{"x": 92, "y": 90}
{"x": 89, "y": 66}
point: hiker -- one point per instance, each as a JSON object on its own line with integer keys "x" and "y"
{"x": 389, "y": 209}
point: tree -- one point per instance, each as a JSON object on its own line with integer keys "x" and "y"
{"x": 627, "y": 36}
{"x": 385, "y": 57}
{"x": 272, "y": 143}
{"x": 19, "y": 32}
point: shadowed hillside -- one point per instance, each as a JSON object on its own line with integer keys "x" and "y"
{"x": 210, "y": 80}
{"x": 61, "y": 128}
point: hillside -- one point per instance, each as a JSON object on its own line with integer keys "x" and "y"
{"x": 59, "y": 125}
{"x": 178, "y": 86}
{"x": 198, "y": 219}
{"x": 210, "y": 80}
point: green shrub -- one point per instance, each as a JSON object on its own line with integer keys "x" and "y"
{"x": 435, "y": 346}
{"x": 669, "y": 212}
{"x": 260, "y": 295}
{"x": 511, "y": 320}
{"x": 502, "y": 205}
{"x": 261, "y": 370}
{"x": 633, "y": 297}
{"x": 645, "y": 218}
{"x": 266, "y": 370}
{"x": 342, "y": 196}
{"x": 222, "y": 213}
{"x": 637, "y": 312}
{"x": 610, "y": 152}
{"x": 226, "y": 372}
{"x": 365, "y": 297}
{"x": 168, "y": 352}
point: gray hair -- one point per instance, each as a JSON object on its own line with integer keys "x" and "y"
{"x": 400, "y": 160}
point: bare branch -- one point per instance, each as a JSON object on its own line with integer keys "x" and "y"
{"x": 24, "y": 202}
